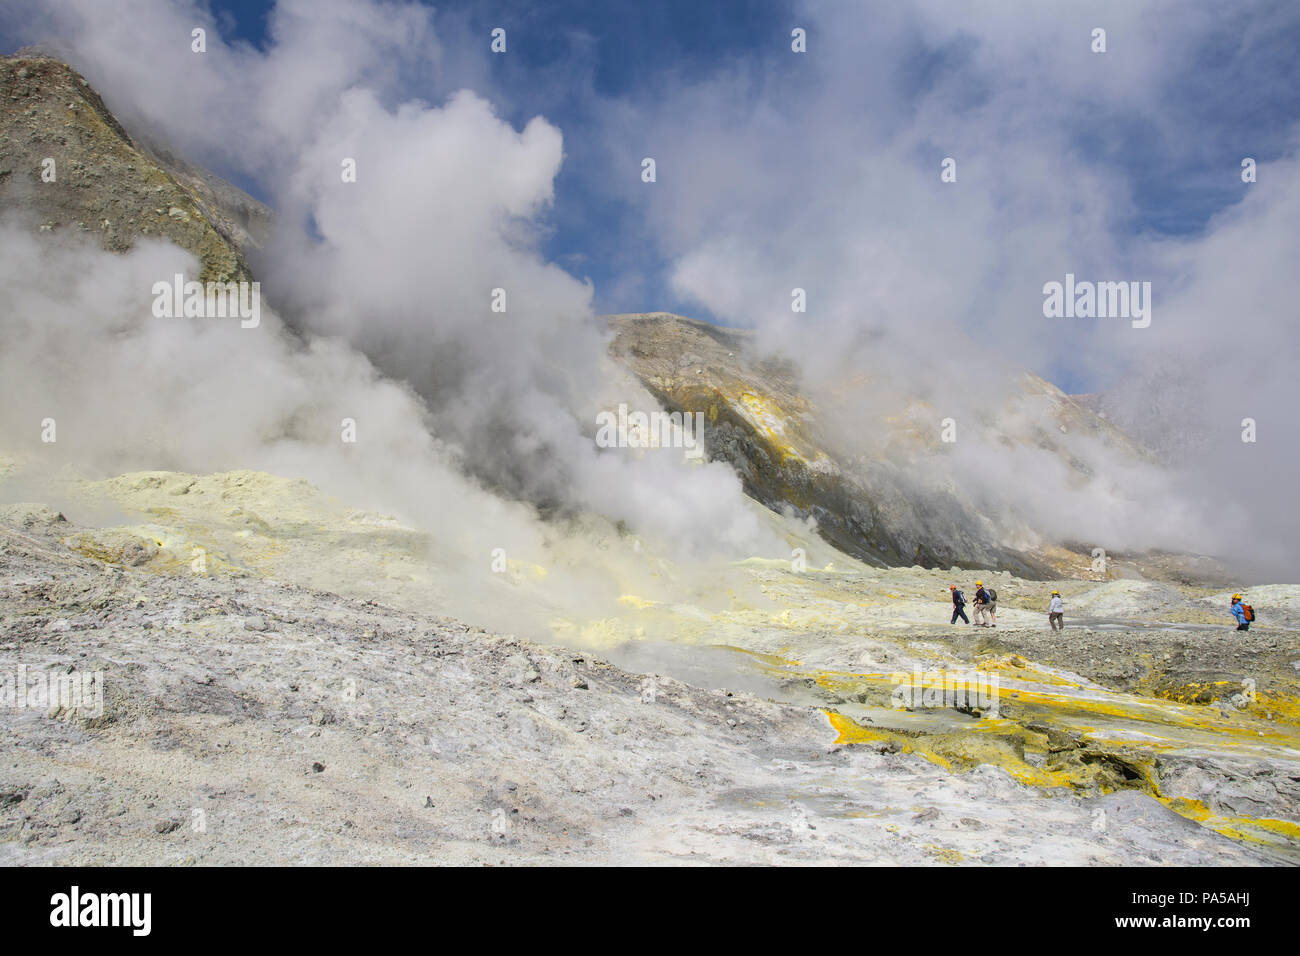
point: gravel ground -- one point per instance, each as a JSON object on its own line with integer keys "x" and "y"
{"x": 246, "y": 721}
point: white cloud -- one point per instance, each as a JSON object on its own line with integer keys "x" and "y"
{"x": 448, "y": 205}
{"x": 824, "y": 173}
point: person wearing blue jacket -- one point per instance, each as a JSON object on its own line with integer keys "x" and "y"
{"x": 958, "y": 605}
{"x": 1239, "y": 612}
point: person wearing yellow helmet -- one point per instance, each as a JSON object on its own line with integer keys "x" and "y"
{"x": 1056, "y": 612}
{"x": 1243, "y": 612}
{"x": 981, "y": 605}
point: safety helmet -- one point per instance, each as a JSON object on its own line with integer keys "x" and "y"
{"x": 979, "y": 584}
{"x": 1057, "y": 593}
{"x": 952, "y": 587}
{"x": 1236, "y": 597}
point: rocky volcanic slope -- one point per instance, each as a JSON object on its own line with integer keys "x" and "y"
{"x": 759, "y": 419}
{"x": 107, "y": 183}
{"x": 249, "y": 721}
{"x": 297, "y": 702}
{"x": 125, "y": 187}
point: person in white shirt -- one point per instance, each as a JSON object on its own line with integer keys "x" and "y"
{"x": 1056, "y": 612}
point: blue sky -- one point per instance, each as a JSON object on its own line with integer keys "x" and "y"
{"x": 623, "y": 48}
{"x": 778, "y": 171}
{"x": 604, "y": 50}
{"x": 1228, "y": 85}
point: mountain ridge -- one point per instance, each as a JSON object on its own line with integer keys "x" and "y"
{"x": 759, "y": 418}
{"x": 121, "y": 187}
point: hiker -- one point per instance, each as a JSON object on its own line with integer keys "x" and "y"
{"x": 1056, "y": 612}
{"x": 958, "y": 605}
{"x": 981, "y": 604}
{"x": 991, "y": 606}
{"x": 1244, "y": 613}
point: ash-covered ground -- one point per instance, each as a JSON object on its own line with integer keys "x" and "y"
{"x": 247, "y": 718}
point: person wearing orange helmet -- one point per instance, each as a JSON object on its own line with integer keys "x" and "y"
{"x": 958, "y": 605}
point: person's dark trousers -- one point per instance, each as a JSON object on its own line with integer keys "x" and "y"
{"x": 1243, "y": 627}
{"x": 958, "y": 612}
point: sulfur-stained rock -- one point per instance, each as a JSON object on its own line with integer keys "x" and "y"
{"x": 106, "y": 181}
{"x": 114, "y": 546}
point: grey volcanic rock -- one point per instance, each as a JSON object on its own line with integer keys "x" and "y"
{"x": 759, "y": 419}
{"x": 107, "y": 183}
{"x": 1161, "y": 407}
{"x": 435, "y": 742}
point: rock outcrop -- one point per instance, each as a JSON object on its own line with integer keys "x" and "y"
{"x": 67, "y": 163}
{"x": 758, "y": 417}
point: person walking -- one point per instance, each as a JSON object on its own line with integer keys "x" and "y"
{"x": 1056, "y": 612}
{"x": 958, "y": 605}
{"x": 1244, "y": 613}
{"x": 981, "y": 604}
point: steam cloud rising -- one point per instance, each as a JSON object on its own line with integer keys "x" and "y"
{"x": 822, "y": 172}
{"x": 402, "y": 264}
{"x": 927, "y": 292}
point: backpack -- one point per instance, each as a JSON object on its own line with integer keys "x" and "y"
{"x": 958, "y": 597}
{"x": 992, "y": 595}
{"x": 1249, "y": 612}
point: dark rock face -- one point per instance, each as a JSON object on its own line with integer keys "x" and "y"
{"x": 103, "y": 181}
{"x": 67, "y": 163}
{"x": 759, "y": 419}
